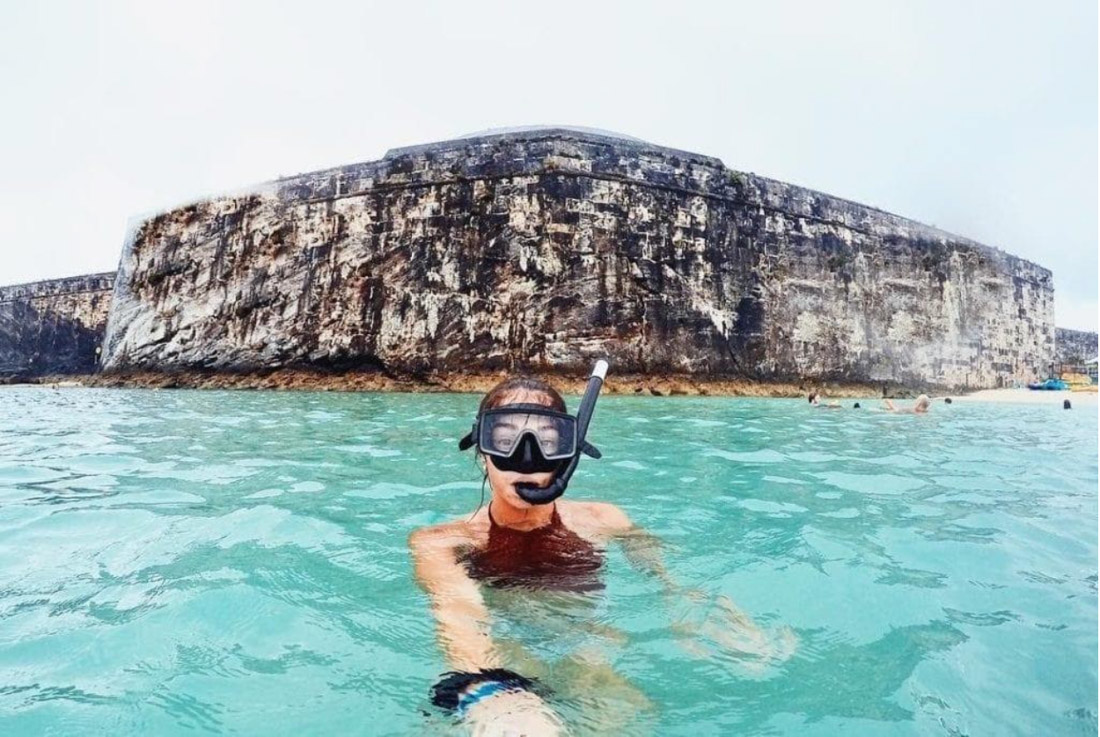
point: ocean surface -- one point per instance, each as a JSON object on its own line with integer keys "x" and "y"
{"x": 207, "y": 562}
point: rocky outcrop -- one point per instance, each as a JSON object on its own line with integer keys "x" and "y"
{"x": 53, "y": 327}
{"x": 543, "y": 249}
{"x": 1074, "y": 346}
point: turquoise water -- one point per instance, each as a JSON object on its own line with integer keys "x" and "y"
{"x": 189, "y": 563}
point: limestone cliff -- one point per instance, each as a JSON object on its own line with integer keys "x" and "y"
{"x": 542, "y": 249}
{"x": 53, "y": 327}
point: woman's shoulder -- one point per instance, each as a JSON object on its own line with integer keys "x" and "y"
{"x": 453, "y": 534}
{"x": 608, "y": 518}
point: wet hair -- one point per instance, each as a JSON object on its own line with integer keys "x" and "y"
{"x": 811, "y": 397}
{"x": 855, "y": 406}
{"x": 947, "y": 400}
{"x": 496, "y": 396}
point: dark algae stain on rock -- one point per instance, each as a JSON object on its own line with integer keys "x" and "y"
{"x": 1075, "y": 346}
{"x": 53, "y": 327}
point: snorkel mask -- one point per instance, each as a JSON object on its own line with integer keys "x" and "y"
{"x": 532, "y": 438}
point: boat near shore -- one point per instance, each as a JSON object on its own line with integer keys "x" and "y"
{"x": 1049, "y": 385}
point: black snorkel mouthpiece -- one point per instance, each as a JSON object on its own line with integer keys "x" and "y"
{"x": 545, "y": 494}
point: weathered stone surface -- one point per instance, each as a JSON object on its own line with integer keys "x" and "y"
{"x": 1074, "y": 346}
{"x": 540, "y": 250}
{"x": 53, "y": 327}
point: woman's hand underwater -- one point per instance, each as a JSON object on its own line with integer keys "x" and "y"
{"x": 711, "y": 626}
{"x": 513, "y": 713}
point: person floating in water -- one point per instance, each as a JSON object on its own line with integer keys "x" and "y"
{"x": 815, "y": 399}
{"x": 920, "y": 407}
{"x": 530, "y": 542}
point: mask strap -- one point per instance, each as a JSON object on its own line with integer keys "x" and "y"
{"x": 469, "y": 439}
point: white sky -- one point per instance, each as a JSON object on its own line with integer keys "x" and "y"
{"x": 978, "y": 117}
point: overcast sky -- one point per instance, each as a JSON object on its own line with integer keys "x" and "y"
{"x": 977, "y": 117}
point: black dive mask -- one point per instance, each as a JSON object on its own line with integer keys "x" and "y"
{"x": 531, "y": 438}
{"x": 527, "y": 439}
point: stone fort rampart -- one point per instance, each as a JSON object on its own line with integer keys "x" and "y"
{"x": 542, "y": 249}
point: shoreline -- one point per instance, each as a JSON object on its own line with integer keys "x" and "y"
{"x": 1028, "y": 396}
{"x": 313, "y": 380}
{"x": 479, "y": 383}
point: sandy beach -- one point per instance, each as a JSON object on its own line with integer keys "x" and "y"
{"x": 1027, "y": 396}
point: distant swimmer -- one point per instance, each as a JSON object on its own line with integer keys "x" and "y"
{"x": 920, "y": 408}
{"x": 815, "y": 399}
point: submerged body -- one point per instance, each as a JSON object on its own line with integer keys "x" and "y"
{"x": 552, "y": 557}
{"x": 920, "y": 407}
{"x": 494, "y": 557}
{"x": 815, "y": 401}
{"x": 563, "y": 549}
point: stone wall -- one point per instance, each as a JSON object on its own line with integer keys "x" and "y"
{"x": 1074, "y": 346}
{"x": 541, "y": 250}
{"x": 53, "y": 327}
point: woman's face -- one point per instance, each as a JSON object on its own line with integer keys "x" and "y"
{"x": 503, "y": 483}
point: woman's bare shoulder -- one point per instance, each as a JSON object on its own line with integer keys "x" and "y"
{"x": 453, "y": 534}
{"x": 605, "y": 517}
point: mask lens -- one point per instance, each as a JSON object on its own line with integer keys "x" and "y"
{"x": 502, "y": 431}
{"x": 549, "y": 437}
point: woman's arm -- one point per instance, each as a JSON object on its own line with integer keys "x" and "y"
{"x": 462, "y": 621}
{"x": 643, "y": 550}
{"x": 722, "y": 623}
{"x": 462, "y": 626}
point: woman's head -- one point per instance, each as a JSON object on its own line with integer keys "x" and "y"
{"x": 923, "y": 402}
{"x": 517, "y": 390}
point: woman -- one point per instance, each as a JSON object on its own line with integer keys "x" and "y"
{"x": 549, "y": 549}
{"x": 815, "y": 400}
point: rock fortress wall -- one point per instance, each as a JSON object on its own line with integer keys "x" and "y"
{"x": 541, "y": 249}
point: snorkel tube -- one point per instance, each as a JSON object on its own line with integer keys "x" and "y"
{"x": 545, "y": 494}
